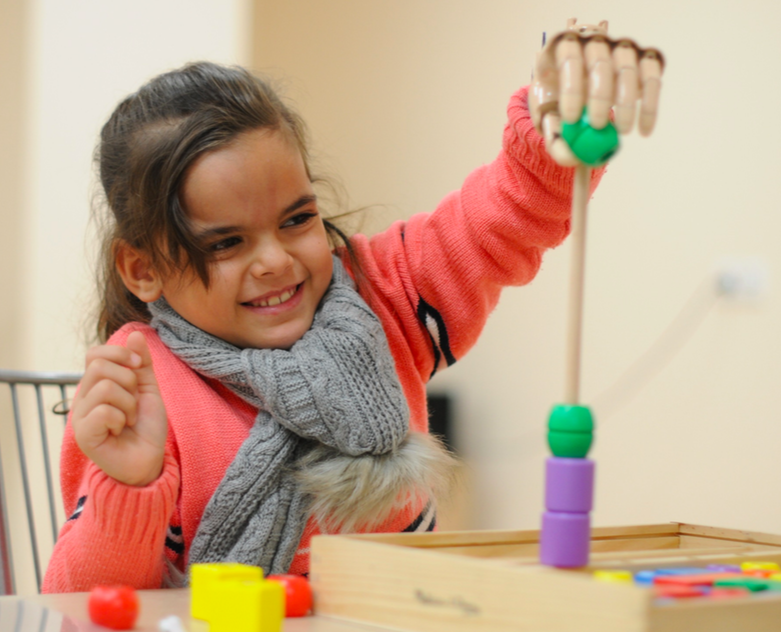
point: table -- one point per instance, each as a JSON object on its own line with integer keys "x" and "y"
{"x": 68, "y": 613}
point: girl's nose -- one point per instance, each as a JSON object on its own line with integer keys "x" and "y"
{"x": 270, "y": 259}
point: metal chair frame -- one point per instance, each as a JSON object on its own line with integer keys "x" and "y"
{"x": 37, "y": 380}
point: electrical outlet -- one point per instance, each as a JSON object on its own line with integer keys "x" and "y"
{"x": 742, "y": 278}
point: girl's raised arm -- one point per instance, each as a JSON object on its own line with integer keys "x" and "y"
{"x": 435, "y": 278}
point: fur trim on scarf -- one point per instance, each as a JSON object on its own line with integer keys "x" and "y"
{"x": 352, "y": 493}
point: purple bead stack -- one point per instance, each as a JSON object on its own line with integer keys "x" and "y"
{"x": 566, "y": 525}
{"x": 569, "y": 489}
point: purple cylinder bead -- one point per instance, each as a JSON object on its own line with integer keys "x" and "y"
{"x": 569, "y": 485}
{"x": 565, "y": 539}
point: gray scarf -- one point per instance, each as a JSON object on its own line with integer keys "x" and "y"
{"x": 334, "y": 393}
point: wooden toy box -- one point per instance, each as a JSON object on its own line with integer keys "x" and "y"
{"x": 492, "y": 581}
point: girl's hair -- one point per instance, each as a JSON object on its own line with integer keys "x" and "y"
{"x": 144, "y": 152}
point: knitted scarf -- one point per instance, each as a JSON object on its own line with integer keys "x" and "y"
{"x": 335, "y": 392}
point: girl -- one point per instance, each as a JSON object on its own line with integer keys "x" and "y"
{"x": 263, "y": 377}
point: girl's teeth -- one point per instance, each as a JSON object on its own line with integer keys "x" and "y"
{"x": 276, "y": 300}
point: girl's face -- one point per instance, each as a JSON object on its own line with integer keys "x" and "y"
{"x": 251, "y": 203}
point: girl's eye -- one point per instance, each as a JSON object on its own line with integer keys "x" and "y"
{"x": 225, "y": 244}
{"x": 299, "y": 219}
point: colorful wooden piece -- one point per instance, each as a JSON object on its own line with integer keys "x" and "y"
{"x": 569, "y": 485}
{"x": 570, "y": 431}
{"x": 246, "y": 606}
{"x": 565, "y": 539}
{"x": 754, "y": 584}
{"x": 692, "y": 580}
{"x": 614, "y": 577}
{"x": 674, "y": 591}
{"x": 759, "y": 566}
{"x": 591, "y": 146}
{"x": 203, "y": 577}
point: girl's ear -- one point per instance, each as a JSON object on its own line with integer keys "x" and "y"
{"x": 137, "y": 273}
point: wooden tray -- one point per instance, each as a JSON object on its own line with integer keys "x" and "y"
{"x": 491, "y": 581}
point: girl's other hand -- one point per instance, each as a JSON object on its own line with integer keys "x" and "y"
{"x": 119, "y": 419}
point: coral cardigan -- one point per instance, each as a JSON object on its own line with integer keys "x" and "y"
{"x": 432, "y": 280}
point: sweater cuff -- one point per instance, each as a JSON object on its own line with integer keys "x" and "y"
{"x": 135, "y": 515}
{"x": 523, "y": 142}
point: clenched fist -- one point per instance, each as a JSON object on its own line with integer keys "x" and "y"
{"x": 582, "y": 66}
{"x": 119, "y": 420}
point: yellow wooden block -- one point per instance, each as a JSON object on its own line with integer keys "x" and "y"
{"x": 203, "y": 577}
{"x": 247, "y": 606}
{"x": 614, "y": 577}
{"x": 759, "y": 566}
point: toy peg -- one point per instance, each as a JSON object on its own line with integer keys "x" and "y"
{"x": 582, "y": 65}
{"x": 580, "y": 194}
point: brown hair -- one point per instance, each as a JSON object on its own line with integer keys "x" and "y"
{"x": 144, "y": 152}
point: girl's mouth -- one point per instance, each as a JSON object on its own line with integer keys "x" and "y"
{"x": 276, "y": 300}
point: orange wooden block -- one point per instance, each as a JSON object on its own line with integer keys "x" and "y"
{"x": 759, "y": 572}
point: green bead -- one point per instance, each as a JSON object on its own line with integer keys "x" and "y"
{"x": 591, "y": 146}
{"x": 570, "y": 445}
{"x": 571, "y": 418}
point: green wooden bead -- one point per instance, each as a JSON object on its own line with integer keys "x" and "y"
{"x": 571, "y": 418}
{"x": 570, "y": 445}
{"x": 591, "y": 146}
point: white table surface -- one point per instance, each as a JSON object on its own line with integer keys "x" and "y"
{"x": 68, "y": 613}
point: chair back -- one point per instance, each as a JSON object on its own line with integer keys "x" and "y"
{"x": 41, "y": 396}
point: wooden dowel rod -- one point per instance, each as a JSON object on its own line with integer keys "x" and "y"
{"x": 580, "y": 193}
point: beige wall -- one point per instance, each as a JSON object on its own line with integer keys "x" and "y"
{"x": 404, "y": 98}
{"x": 13, "y": 87}
{"x": 63, "y": 68}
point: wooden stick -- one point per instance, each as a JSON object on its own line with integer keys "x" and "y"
{"x": 580, "y": 191}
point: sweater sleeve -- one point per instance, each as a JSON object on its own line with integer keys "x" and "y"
{"x": 114, "y": 533}
{"x": 440, "y": 274}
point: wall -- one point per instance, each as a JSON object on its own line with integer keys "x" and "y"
{"x": 63, "y": 68}
{"x": 405, "y": 98}
{"x": 13, "y": 22}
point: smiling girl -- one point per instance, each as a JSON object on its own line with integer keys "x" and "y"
{"x": 249, "y": 393}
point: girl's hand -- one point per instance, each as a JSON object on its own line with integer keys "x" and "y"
{"x": 583, "y": 66}
{"x": 119, "y": 419}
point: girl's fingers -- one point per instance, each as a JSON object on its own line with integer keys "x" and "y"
{"x": 105, "y": 419}
{"x": 569, "y": 60}
{"x": 101, "y": 369}
{"x": 544, "y": 92}
{"x": 557, "y": 147}
{"x": 651, "y": 81}
{"x": 599, "y": 65}
{"x": 583, "y": 66}
{"x": 116, "y": 398}
{"x": 107, "y": 361}
{"x": 627, "y": 85}
{"x": 147, "y": 381}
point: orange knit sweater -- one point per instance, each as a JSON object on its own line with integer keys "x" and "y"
{"x": 432, "y": 280}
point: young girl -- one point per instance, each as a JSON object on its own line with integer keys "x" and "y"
{"x": 263, "y": 377}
